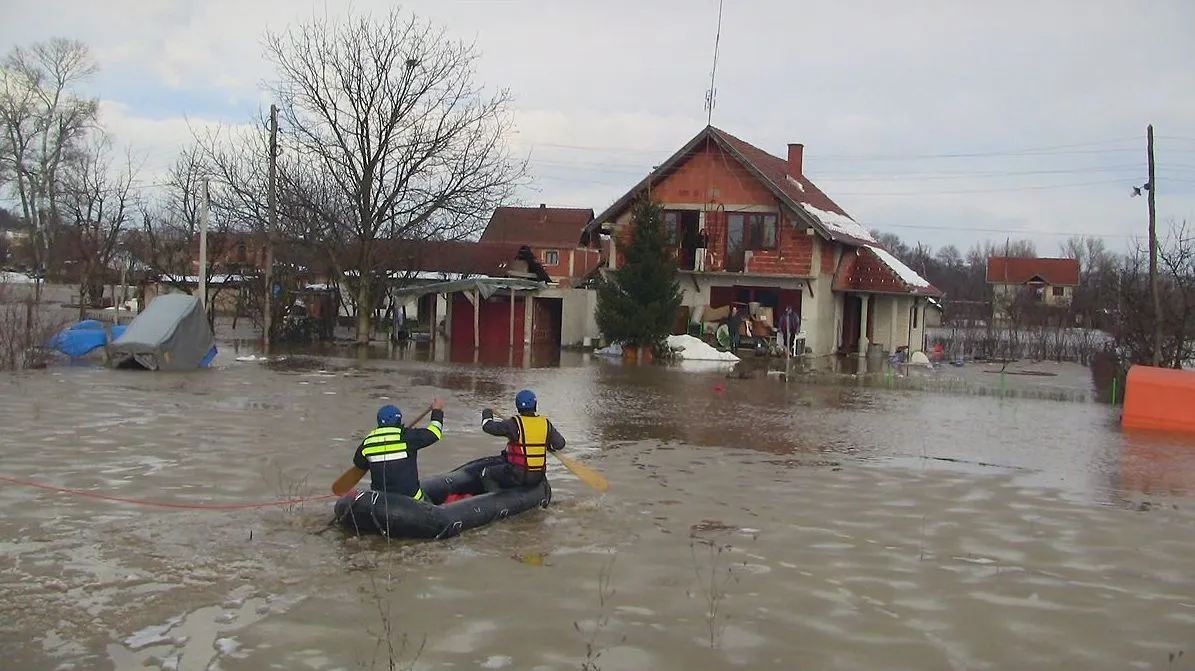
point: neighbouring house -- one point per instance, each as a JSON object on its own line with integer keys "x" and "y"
{"x": 1022, "y": 285}
{"x": 934, "y": 311}
{"x": 230, "y": 252}
{"x": 556, "y": 235}
{"x": 775, "y": 239}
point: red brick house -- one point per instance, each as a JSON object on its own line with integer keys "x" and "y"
{"x": 555, "y": 235}
{"x": 1044, "y": 282}
{"x": 776, "y": 239}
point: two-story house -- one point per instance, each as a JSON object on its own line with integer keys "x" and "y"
{"x": 776, "y": 239}
{"x": 1031, "y": 283}
{"x": 554, "y": 234}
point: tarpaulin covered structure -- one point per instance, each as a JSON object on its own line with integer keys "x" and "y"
{"x": 85, "y": 337}
{"x": 172, "y": 333}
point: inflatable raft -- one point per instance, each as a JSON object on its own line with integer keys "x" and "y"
{"x": 399, "y": 517}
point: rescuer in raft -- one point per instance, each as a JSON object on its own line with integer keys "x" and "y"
{"x": 390, "y": 452}
{"x": 529, "y": 439}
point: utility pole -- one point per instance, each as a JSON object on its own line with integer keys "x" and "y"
{"x": 204, "y": 213}
{"x": 272, "y": 200}
{"x": 1154, "y": 282}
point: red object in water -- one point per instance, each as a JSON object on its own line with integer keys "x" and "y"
{"x": 718, "y": 389}
{"x": 456, "y": 497}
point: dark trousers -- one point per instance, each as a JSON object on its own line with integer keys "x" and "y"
{"x": 509, "y": 476}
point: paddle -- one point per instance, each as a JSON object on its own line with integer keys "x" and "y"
{"x": 352, "y": 476}
{"x": 587, "y": 474}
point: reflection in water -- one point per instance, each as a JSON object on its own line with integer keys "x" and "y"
{"x": 1157, "y": 463}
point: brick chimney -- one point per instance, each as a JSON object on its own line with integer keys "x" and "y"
{"x": 796, "y": 156}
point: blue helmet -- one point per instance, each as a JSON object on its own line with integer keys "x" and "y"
{"x": 389, "y": 415}
{"x": 525, "y": 401}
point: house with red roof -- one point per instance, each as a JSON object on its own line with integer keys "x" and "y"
{"x": 775, "y": 239}
{"x": 1035, "y": 282}
{"x": 556, "y": 235}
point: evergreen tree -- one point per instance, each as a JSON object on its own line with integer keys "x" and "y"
{"x": 638, "y": 304}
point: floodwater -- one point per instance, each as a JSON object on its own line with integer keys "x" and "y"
{"x": 750, "y": 523}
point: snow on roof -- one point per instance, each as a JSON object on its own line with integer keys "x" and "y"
{"x": 906, "y": 274}
{"x": 796, "y": 183}
{"x": 840, "y": 223}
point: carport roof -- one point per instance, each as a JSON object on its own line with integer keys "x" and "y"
{"x": 486, "y": 286}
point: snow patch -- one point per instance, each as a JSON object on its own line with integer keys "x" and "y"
{"x": 907, "y": 274}
{"x": 796, "y": 182}
{"x": 840, "y": 223}
{"x": 696, "y": 349}
{"x": 15, "y": 278}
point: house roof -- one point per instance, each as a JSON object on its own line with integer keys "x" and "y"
{"x": 873, "y": 269}
{"x": 1024, "y": 269}
{"x": 538, "y": 226}
{"x": 491, "y": 259}
{"x": 798, "y": 194}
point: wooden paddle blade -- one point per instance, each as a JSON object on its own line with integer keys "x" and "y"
{"x": 590, "y": 476}
{"x": 345, "y": 482}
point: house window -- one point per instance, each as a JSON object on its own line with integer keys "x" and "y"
{"x": 1059, "y": 292}
{"x": 681, "y": 227}
{"x": 752, "y": 231}
{"x": 551, "y": 257}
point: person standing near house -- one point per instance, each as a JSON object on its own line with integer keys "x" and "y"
{"x": 734, "y": 323}
{"x": 703, "y": 243}
{"x": 789, "y": 327}
{"x": 529, "y": 439}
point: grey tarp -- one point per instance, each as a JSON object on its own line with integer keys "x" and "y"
{"x": 170, "y": 334}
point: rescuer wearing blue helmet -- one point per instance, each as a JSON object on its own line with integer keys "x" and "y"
{"x": 529, "y": 439}
{"x": 390, "y": 452}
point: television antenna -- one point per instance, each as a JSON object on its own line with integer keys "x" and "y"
{"x": 711, "y": 92}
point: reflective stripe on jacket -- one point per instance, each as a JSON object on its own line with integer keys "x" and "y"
{"x": 385, "y": 444}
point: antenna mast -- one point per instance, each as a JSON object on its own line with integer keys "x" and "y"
{"x": 711, "y": 92}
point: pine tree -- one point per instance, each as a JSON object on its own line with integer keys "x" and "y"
{"x": 638, "y": 304}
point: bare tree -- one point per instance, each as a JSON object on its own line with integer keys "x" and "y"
{"x": 43, "y": 120}
{"x": 169, "y": 236}
{"x": 98, "y": 198}
{"x": 1134, "y": 316}
{"x": 387, "y": 109}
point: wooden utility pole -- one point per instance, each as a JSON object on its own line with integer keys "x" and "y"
{"x": 272, "y": 200}
{"x": 1154, "y": 280}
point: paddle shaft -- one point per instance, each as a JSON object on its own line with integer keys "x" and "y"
{"x": 352, "y": 476}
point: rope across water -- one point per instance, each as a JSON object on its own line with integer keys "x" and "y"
{"x": 164, "y": 504}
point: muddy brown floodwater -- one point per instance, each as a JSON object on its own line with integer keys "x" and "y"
{"x": 748, "y": 525}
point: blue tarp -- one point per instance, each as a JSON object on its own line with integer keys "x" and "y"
{"x": 84, "y": 337}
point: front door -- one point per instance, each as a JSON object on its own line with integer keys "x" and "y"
{"x": 735, "y": 256}
{"x": 852, "y": 313}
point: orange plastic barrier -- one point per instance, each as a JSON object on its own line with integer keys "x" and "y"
{"x": 1159, "y": 398}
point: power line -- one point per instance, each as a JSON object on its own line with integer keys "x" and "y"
{"x": 1077, "y": 148}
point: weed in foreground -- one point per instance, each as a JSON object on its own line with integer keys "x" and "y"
{"x": 594, "y": 648}
{"x": 713, "y": 579}
{"x": 390, "y": 646}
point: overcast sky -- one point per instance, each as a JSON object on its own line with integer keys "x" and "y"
{"x": 940, "y": 121}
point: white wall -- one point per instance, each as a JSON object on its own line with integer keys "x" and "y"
{"x": 578, "y": 315}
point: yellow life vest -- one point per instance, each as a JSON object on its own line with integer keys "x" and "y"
{"x": 530, "y": 450}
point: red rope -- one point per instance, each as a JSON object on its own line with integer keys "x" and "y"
{"x": 164, "y": 504}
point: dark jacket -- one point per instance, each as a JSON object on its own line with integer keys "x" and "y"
{"x": 401, "y": 476}
{"x": 508, "y": 429}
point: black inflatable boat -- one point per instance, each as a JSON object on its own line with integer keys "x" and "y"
{"x": 371, "y": 512}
